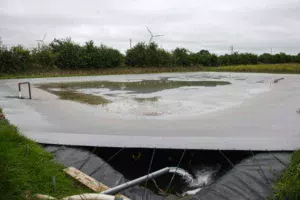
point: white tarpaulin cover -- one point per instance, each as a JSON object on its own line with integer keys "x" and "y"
{"x": 250, "y": 113}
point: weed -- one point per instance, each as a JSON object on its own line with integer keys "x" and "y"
{"x": 80, "y": 97}
{"x": 24, "y": 175}
{"x": 146, "y": 99}
{"x": 262, "y": 68}
{"x": 288, "y": 185}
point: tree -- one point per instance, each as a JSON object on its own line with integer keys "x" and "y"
{"x": 15, "y": 59}
{"x": 282, "y": 58}
{"x": 205, "y": 58}
{"x": 143, "y": 55}
{"x": 204, "y": 52}
{"x": 297, "y": 58}
{"x": 266, "y": 58}
{"x": 43, "y": 57}
{"x": 137, "y": 55}
{"x": 69, "y": 54}
{"x": 182, "y": 57}
{"x": 108, "y": 57}
{"x": 224, "y": 60}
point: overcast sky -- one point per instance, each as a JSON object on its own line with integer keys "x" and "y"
{"x": 249, "y": 25}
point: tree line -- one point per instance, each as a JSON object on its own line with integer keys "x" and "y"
{"x": 66, "y": 54}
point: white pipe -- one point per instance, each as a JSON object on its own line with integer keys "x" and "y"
{"x": 88, "y": 196}
{"x": 153, "y": 175}
{"x": 43, "y": 196}
{"x": 91, "y": 196}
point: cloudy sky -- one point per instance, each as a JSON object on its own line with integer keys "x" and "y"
{"x": 249, "y": 25}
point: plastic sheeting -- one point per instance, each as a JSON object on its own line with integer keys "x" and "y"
{"x": 250, "y": 179}
{"x": 75, "y": 157}
{"x": 196, "y": 119}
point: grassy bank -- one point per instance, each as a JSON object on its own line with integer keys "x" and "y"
{"x": 288, "y": 185}
{"x": 109, "y": 71}
{"x": 27, "y": 171}
{"x": 261, "y": 68}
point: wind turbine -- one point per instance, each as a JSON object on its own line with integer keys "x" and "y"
{"x": 41, "y": 41}
{"x": 152, "y": 36}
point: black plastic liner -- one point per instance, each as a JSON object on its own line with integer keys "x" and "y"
{"x": 251, "y": 179}
{"x": 76, "y": 157}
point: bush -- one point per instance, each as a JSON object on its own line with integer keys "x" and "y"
{"x": 69, "y": 54}
{"x": 108, "y": 57}
{"x": 224, "y": 60}
{"x": 44, "y": 57}
{"x": 182, "y": 57}
{"x": 73, "y": 56}
{"x": 288, "y": 184}
{"x": 238, "y": 59}
{"x": 282, "y": 58}
{"x": 204, "y": 58}
{"x": 297, "y": 58}
{"x": 14, "y": 60}
{"x": 137, "y": 56}
{"x": 143, "y": 55}
{"x": 266, "y": 58}
{"x": 66, "y": 54}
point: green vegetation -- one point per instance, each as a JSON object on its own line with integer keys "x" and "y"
{"x": 17, "y": 59}
{"x": 144, "y": 86}
{"x": 266, "y": 68}
{"x": 260, "y": 68}
{"x": 143, "y": 55}
{"x": 63, "y": 55}
{"x": 146, "y": 99}
{"x": 288, "y": 185}
{"x": 97, "y": 72}
{"x": 25, "y": 172}
{"x": 79, "y": 97}
{"x": 59, "y": 54}
{"x": 70, "y": 55}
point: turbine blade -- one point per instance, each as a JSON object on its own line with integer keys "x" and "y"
{"x": 149, "y": 31}
{"x": 151, "y": 39}
{"x": 44, "y": 37}
{"x": 158, "y": 35}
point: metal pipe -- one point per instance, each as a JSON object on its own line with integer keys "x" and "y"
{"x": 137, "y": 181}
{"x": 20, "y": 95}
{"x": 29, "y": 88}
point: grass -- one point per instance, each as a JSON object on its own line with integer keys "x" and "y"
{"x": 146, "y": 99}
{"x": 80, "y": 97}
{"x": 290, "y": 68}
{"x": 288, "y": 185}
{"x": 261, "y": 68}
{"x": 25, "y": 173}
{"x": 97, "y": 72}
